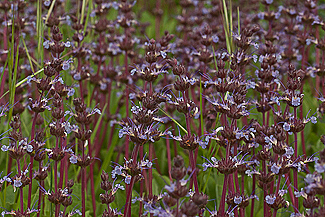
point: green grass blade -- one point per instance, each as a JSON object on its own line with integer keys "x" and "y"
{"x": 87, "y": 20}
{"x": 13, "y": 86}
{"x": 27, "y": 53}
{"x": 176, "y": 122}
{"x": 97, "y": 125}
{"x": 50, "y": 11}
{"x": 238, "y": 15}
{"x": 39, "y": 31}
{"x": 83, "y": 8}
{"x": 23, "y": 81}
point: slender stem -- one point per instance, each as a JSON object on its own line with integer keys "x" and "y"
{"x": 126, "y": 94}
{"x": 150, "y": 171}
{"x": 169, "y": 161}
{"x": 141, "y": 183}
{"x": 40, "y": 192}
{"x": 83, "y": 182}
{"x": 223, "y": 196}
{"x": 62, "y": 167}
{"x": 242, "y": 210}
{"x": 177, "y": 206}
{"x": 91, "y": 175}
{"x": 276, "y": 193}
{"x": 92, "y": 188}
{"x": 57, "y": 206}
{"x": 192, "y": 161}
{"x": 196, "y": 186}
{"x": 127, "y": 211}
{"x": 264, "y": 171}
{"x": 20, "y": 189}
{"x": 31, "y": 163}
{"x": 295, "y": 171}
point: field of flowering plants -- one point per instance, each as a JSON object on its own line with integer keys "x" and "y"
{"x": 162, "y": 108}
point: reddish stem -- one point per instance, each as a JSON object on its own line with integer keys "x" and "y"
{"x": 150, "y": 170}
{"x": 295, "y": 171}
{"x": 127, "y": 211}
{"x": 20, "y": 189}
{"x": 83, "y": 183}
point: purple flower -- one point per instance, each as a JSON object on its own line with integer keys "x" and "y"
{"x": 238, "y": 200}
{"x": 73, "y": 159}
{"x": 29, "y": 148}
{"x": 17, "y": 183}
{"x": 133, "y": 71}
{"x": 313, "y": 119}
{"x": 295, "y": 101}
{"x": 127, "y": 179}
{"x": 4, "y": 148}
{"x": 275, "y": 168}
{"x": 47, "y": 3}
{"x": 215, "y": 38}
{"x": 117, "y": 171}
{"x": 118, "y": 186}
{"x": 67, "y": 44}
{"x": 286, "y": 126}
{"x": 270, "y": 199}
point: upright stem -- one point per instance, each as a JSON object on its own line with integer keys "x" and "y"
{"x": 20, "y": 189}
{"x": 150, "y": 170}
{"x": 223, "y": 196}
{"x": 39, "y": 193}
{"x": 276, "y": 193}
{"x": 127, "y": 211}
{"x": 126, "y": 95}
{"x": 141, "y": 183}
{"x": 192, "y": 160}
{"x": 83, "y": 183}
{"x": 92, "y": 187}
{"x": 169, "y": 157}
{"x": 295, "y": 171}
{"x": 264, "y": 172}
{"x": 253, "y": 190}
{"x": 31, "y": 163}
{"x": 57, "y": 206}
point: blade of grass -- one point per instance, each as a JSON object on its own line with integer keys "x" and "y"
{"x": 83, "y": 8}
{"x": 227, "y": 25}
{"x": 30, "y": 59}
{"x": 178, "y": 124}
{"x": 23, "y": 81}
{"x": 90, "y": 3}
{"x": 50, "y": 11}
{"x": 97, "y": 125}
{"x": 230, "y": 18}
{"x": 39, "y": 30}
{"x": 13, "y": 82}
{"x": 238, "y": 15}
